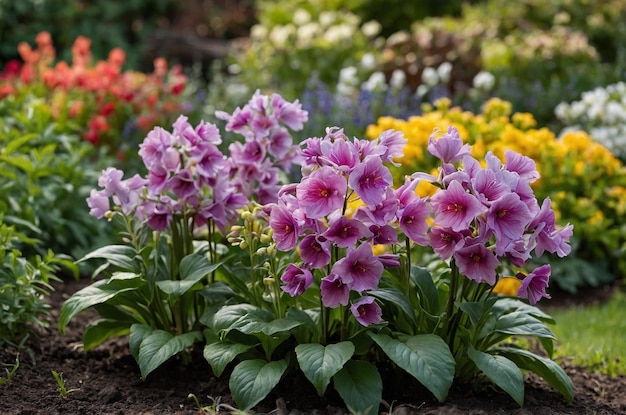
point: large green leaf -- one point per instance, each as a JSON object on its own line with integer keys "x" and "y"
{"x": 228, "y": 316}
{"x": 118, "y": 255}
{"x": 101, "y": 330}
{"x": 548, "y": 369}
{"x": 192, "y": 269}
{"x": 429, "y": 295}
{"x": 221, "y": 353}
{"x": 504, "y": 304}
{"x": 262, "y": 321}
{"x": 320, "y": 363}
{"x": 252, "y": 380}
{"x": 395, "y": 296}
{"x": 426, "y": 357}
{"x": 160, "y": 345}
{"x": 522, "y": 324}
{"x": 360, "y": 386}
{"x": 138, "y": 332}
{"x": 96, "y": 293}
{"x": 501, "y": 371}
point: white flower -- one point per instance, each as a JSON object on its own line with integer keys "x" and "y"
{"x": 368, "y": 62}
{"x": 280, "y": 35}
{"x": 338, "y": 33}
{"x": 484, "y": 81}
{"x": 258, "y": 32}
{"x": 376, "y": 82}
{"x": 398, "y": 79}
{"x": 421, "y": 91}
{"x": 327, "y": 18}
{"x": 306, "y": 34}
{"x": 301, "y": 17}
{"x": 348, "y": 75}
{"x": 371, "y": 28}
{"x": 430, "y": 77}
{"x": 444, "y": 70}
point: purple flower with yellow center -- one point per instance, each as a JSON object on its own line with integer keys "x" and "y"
{"x": 360, "y": 268}
{"x": 315, "y": 251}
{"x": 322, "y": 192}
{"x": 449, "y": 148}
{"x": 345, "y": 232}
{"x": 286, "y": 229}
{"x": 369, "y": 180}
{"x": 445, "y": 242}
{"x": 334, "y": 290}
{"x": 455, "y": 208}
{"x": 477, "y": 263}
{"x": 367, "y": 311}
{"x": 296, "y": 280}
{"x": 413, "y": 221}
{"x": 534, "y": 285}
{"x": 507, "y": 218}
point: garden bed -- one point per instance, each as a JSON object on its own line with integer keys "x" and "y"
{"x": 108, "y": 381}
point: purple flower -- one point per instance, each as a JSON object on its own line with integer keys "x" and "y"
{"x": 366, "y": 311}
{"x": 370, "y": 180}
{"x": 359, "y": 268}
{"x": 548, "y": 237}
{"x": 413, "y": 221}
{"x": 455, "y": 208}
{"x": 157, "y": 149}
{"x": 477, "y": 263}
{"x": 334, "y": 291}
{"x": 98, "y": 203}
{"x": 522, "y": 165}
{"x": 394, "y": 141}
{"x": 297, "y": 280}
{"x": 382, "y": 213}
{"x": 534, "y": 285}
{"x": 315, "y": 251}
{"x": 507, "y": 217}
{"x": 345, "y": 232}
{"x": 445, "y": 241}
{"x": 340, "y": 154}
{"x": 208, "y": 132}
{"x": 183, "y": 185}
{"x": 289, "y": 113}
{"x": 449, "y": 148}
{"x": 161, "y": 216}
{"x": 487, "y": 186}
{"x": 285, "y": 227}
{"x": 322, "y": 192}
{"x": 383, "y": 235}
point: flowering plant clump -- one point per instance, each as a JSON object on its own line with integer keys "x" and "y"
{"x": 100, "y": 99}
{"x": 344, "y": 247}
{"x": 602, "y": 113}
{"x": 585, "y": 182}
{"x": 175, "y": 217}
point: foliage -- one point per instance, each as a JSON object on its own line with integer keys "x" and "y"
{"x": 10, "y": 373}
{"x": 96, "y": 99}
{"x": 63, "y": 390}
{"x": 593, "y": 336}
{"x": 602, "y": 113}
{"x": 163, "y": 279}
{"x": 24, "y": 283}
{"x": 120, "y": 24}
{"x": 571, "y": 169}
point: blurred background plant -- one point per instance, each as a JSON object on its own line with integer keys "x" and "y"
{"x": 586, "y": 183}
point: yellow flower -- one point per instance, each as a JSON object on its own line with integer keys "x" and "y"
{"x": 507, "y": 286}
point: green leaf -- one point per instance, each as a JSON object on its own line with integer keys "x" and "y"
{"x": 261, "y": 321}
{"x": 429, "y": 294}
{"x": 96, "y": 293}
{"x": 473, "y": 309}
{"x": 101, "y": 330}
{"x": 221, "y": 353}
{"x": 360, "y": 386}
{"x": 160, "y": 345}
{"x": 501, "y": 371}
{"x": 522, "y": 324}
{"x": 138, "y": 332}
{"x": 118, "y": 255}
{"x": 226, "y": 317}
{"x": 426, "y": 357}
{"x": 549, "y": 370}
{"x": 319, "y": 363}
{"x": 395, "y": 296}
{"x": 252, "y": 380}
{"x": 504, "y": 304}
{"x": 195, "y": 266}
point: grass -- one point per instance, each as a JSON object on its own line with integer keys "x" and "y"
{"x": 594, "y": 336}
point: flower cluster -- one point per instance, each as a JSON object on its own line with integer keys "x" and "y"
{"x": 100, "y": 96}
{"x": 602, "y": 113}
{"x": 268, "y": 149}
{"x": 480, "y": 216}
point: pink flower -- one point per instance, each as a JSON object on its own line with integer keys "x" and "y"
{"x": 534, "y": 285}
{"x": 334, "y": 291}
{"x": 394, "y": 141}
{"x": 477, "y": 263}
{"x": 455, "y": 208}
{"x": 297, "y": 280}
{"x": 345, "y": 232}
{"x": 370, "y": 180}
{"x": 285, "y": 227}
{"x": 445, "y": 241}
{"x": 413, "y": 221}
{"x": 315, "y": 251}
{"x": 449, "y": 148}
{"x": 522, "y": 165}
{"x": 507, "y": 218}
{"x": 360, "y": 268}
{"x": 98, "y": 203}
{"x": 321, "y": 193}
{"x": 366, "y": 311}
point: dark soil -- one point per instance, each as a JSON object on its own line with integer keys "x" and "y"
{"x": 108, "y": 382}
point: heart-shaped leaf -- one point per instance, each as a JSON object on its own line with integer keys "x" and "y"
{"x": 160, "y": 345}
{"x": 252, "y": 380}
{"x": 320, "y": 363}
{"x": 360, "y": 386}
{"x": 500, "y": 371}
{"x": 221, "y": 353}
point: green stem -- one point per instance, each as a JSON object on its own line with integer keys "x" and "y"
{"x": 454, "y": 281}
{"x": 407, "y": 282}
